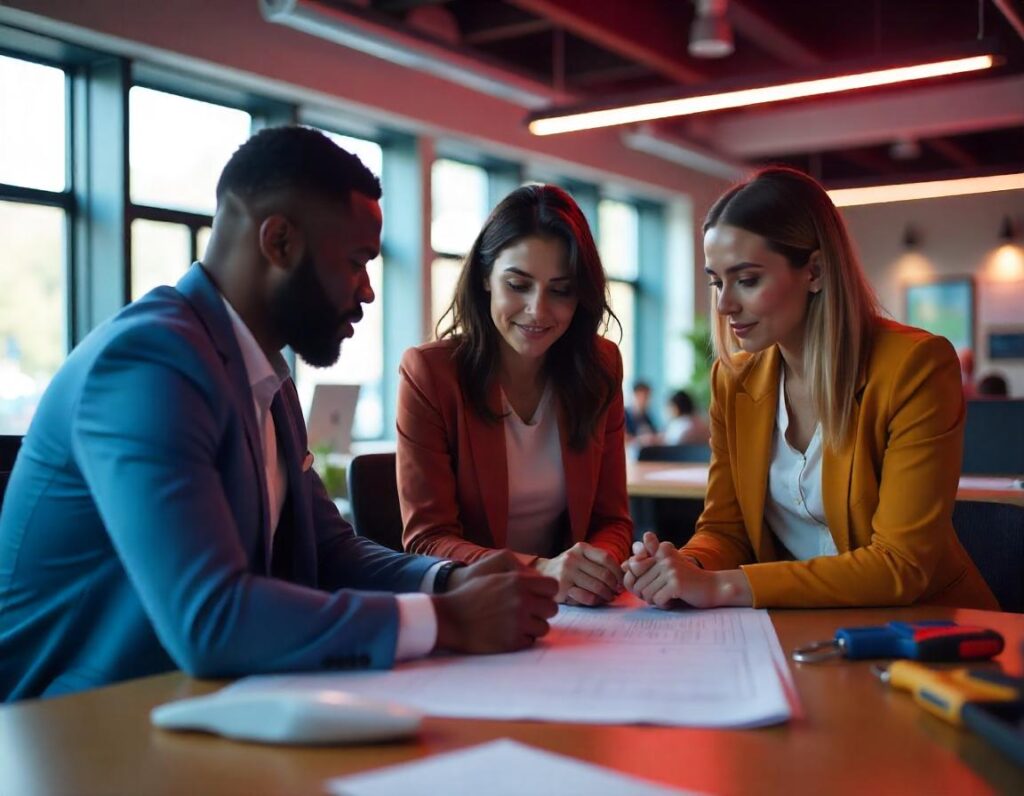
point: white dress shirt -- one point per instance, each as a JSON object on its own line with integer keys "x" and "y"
{"x": 417, "y": 620}
{"x": 795, "y": 509}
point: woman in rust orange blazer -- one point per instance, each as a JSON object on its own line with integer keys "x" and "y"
{"x": 836, "y": 434}
{"x": 510, "y": 426}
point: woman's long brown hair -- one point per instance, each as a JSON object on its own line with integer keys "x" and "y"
{"x": 583, "y": 383}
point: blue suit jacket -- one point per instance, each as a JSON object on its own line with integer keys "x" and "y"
{"x": 134, "y": 536}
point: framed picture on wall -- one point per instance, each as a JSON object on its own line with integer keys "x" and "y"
{"x": 944, "y": 307}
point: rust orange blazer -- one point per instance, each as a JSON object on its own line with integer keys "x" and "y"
{"x": 888, "y": 492}
{"x": 453, "y": 473}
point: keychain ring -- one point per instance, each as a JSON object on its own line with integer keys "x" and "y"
{"x": 818, "y": 651}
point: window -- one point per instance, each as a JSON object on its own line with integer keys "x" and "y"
{"x": 160, "y": 254}
{"x": 362, "y": 356}
{"x": 33, "y": 127}
{"x": 34, "y": 213}
{"x": 459, "y": 207}
{"x": 619, "y": 243}
{"x": 177, "y": 147}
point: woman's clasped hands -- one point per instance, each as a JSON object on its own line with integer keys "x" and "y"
{"x": 664, "y": 576}
{"x": 586, "y": 575}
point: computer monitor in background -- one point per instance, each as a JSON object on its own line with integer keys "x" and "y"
{"x": 331, "y": 413}
{"x": 994, "y": 437}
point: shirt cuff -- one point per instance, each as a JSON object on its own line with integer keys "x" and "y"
{"x": 417, "y": 626}
{"x": 427, "y": 584}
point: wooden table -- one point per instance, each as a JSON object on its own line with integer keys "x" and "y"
{"x": 854, "y": 737}
{"x": 686, "y": 480}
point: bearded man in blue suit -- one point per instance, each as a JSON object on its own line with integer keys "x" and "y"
{"x": 162, "y": 511}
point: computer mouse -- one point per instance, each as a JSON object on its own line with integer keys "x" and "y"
{"x": 290, "y": 717}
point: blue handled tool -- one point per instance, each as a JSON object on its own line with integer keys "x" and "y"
{"x": 919, "y": 641}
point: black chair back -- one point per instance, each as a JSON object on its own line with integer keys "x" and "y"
{"x": 9, "y": 446}
{"x": 993, "y": 536}
{"x": 994, "y": 437}
{"x": 672, "y": 519}
{"x": 373, "y": 494}
{"x": 674, "y": 453}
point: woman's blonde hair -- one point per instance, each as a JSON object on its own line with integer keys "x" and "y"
{"x": 795, "y": 216}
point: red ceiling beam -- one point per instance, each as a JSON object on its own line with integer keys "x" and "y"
{"x": 652, "y": 32}
{"x": 771, "y": 37}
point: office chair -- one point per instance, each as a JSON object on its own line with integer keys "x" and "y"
{"x": 9, "y": 446}
{"x": 373, "y": 494}
{"x": 674, "y": 453}
{"x": 993, "y": 536}
{"x": 672, "y": 519}
{"x": 994, "y": 438}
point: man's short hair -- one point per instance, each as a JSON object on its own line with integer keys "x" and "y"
{"x": 299, "y": 158}
{"x": 641, "y": 386}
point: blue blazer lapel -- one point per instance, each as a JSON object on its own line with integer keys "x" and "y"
{"x": 202, "y": 294}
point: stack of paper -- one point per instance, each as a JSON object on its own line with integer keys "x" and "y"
{"x": 618, "y": 664}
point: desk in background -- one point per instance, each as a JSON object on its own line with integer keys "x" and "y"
{"x": 855, "y": 736}
{"x": 690, "y": 481}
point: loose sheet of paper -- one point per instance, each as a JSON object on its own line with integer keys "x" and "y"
{"x": 498, "y": 768}
{"x": 682, "y": 475}
{"x": 985, "y": 482}
{"x": 615, "y": 665}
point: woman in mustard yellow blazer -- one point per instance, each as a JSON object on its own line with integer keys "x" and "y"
{"x": 836, "y": 435}
{"x": 510, "y": 427}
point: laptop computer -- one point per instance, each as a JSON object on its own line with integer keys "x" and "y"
{"x": 331, "y": 413}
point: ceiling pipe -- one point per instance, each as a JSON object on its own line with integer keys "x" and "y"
{"x": 1011, "y": 15}
{"x": 363, "y": 31}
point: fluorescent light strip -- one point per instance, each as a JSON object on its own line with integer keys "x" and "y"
{"x": 905, "y": 192}
{"x": 686, "y": 106}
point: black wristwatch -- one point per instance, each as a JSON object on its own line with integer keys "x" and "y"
{"x": 444, "y": 574}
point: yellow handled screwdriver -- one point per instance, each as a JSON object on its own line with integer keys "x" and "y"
{"x": 945, "y": 692}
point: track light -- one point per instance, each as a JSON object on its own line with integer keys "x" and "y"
{"x": 1007, "y": 230}
{"x": 934, "y": 189}
{"x": 711, "y": 33}
{"x": 569, "y": 120}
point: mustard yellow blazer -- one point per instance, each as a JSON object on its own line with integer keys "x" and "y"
{"x": 453, "y": 469}
{"x": 888, "y": 492}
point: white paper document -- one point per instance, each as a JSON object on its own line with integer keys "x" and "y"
{"x": 682, "y": 475}
{"x": 620, "y": 664}
{"x": 498, "y": 768}
{"x": 986, "y": 482}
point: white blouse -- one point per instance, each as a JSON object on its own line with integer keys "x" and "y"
{"x": 536, "y": 480}
{"x": 795, "y": 509}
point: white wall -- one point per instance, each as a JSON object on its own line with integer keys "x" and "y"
{"x": 958, "y": 236}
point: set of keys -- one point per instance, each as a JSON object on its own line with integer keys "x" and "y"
{"x": 919, "y": 641}
{"x": 987, "y": 702}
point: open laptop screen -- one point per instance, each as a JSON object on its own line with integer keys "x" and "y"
{"x": 331, "y": 413}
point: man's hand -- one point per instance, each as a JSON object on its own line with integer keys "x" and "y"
{"x": 491, "y": 564}
{"x": 499, "y": 610}
{"x": 586, "y": 575}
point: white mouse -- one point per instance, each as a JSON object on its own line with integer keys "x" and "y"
{"x": 290, "y": 717}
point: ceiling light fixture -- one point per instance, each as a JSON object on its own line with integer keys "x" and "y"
{"x": 1007, "y": 230}
{"x": 569, "y": 120}
{"x": 710, "y": 32}
{"x": 905, "y": 192}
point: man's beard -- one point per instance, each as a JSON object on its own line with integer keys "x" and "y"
{"x": 307, "y": 319}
